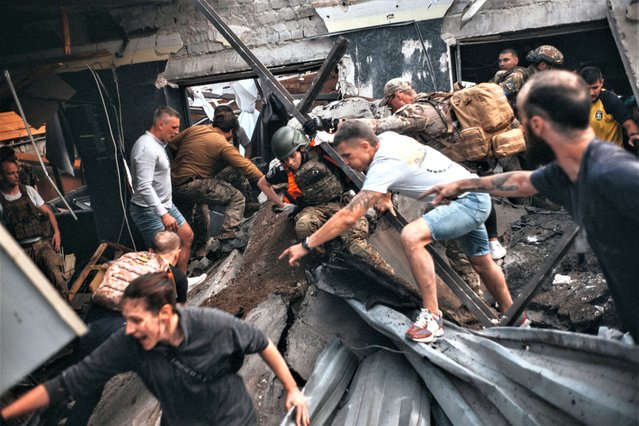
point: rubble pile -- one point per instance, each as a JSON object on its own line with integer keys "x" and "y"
{"x": 577, "y": 298}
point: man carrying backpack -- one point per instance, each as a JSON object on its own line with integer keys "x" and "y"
{"x": 400, "y": 164}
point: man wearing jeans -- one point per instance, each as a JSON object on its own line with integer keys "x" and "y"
{"x": 397, "y": 163}
{"x": 151, "y": 206}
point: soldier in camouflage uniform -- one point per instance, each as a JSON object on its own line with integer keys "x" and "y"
{"x": 423, "y": 117}
{"x": 544, "y": 58}
{"x": 30, "y": 221}
{"x": 317, "y": 190}
{"x": 199, "y": 172}
{"x": 510, "y": 76}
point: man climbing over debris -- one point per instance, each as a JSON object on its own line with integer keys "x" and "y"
{"x": 151, "y": 206}
{"x": 598, "y": 183}
{"x": 31, "y": 221}
{"x": 203, "y": 161}
{"x": 316, "y": 191}
{"x": 400, "y": 164}
{"x": 423, "y": 119}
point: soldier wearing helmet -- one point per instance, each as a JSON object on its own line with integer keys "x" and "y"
{"x": 315, "y": 191}
{"x": 544, "y": 58}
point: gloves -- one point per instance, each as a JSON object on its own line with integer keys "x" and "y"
{"x": 287, "y": 209}
{"x": 316, "y": 124}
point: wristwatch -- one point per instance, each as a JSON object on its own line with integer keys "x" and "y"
{"x": 305, "y": 244}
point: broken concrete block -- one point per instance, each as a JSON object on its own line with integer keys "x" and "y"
{"x": 269, "y": 316}
{"x": 126, "y": 400}
{"x": 321, "y": 318}
{"x": 217, "y": 281}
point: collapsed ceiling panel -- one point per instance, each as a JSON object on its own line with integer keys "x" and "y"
{"x": 350, "y": 15}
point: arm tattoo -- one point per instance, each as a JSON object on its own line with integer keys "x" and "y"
{"x": 363, "y": 200}
{"x": 499, "y": 183}
{"x": 496, "y": 182}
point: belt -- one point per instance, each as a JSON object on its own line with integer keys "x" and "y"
{"x": 184, "y": 181}
{"x": 27, "y": 245}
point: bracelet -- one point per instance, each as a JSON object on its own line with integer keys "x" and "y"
{"x": 305, "y": 244}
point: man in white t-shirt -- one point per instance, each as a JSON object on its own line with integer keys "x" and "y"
{"x": 400, "y": 164}
{"x": 27, "y": 217}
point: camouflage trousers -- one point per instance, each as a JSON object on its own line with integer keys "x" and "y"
{"x": 460, "y": 263}
{"x": 49, "y": 262}
{"x": 354, "y": 240}
{"x": 209, "y": 192}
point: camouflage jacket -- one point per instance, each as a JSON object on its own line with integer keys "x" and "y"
{"x": 426, "y": 120}
{"x": 511, "y": 81}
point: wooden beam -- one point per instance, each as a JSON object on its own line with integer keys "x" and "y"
{"x": 64, "y": 15}
{"x": 333, "y": 58}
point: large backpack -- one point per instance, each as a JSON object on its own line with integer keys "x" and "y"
{"x": 484, "y": 114}
{"x": 121, "y": 272}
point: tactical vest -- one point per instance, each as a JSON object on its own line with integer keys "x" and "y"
{"x": 318, "y": 183}
{"x": 22, "y": 218}
{"x": 444, "y": 140}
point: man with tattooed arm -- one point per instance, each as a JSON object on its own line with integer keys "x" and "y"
{"x": 397, "y": 163}
{"x": 597, "y": 182}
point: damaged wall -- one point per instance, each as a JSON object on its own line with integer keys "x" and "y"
{"x": 503, "y": 16}
{"x": 414, "y": 51}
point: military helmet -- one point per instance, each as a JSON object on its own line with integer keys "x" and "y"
{"x": 286, "y": 140}
{"x": 545, "y": 53}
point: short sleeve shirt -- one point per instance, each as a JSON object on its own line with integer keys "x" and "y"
{"x": 214, "y": 347}
{"x": 36, "y": 199}
{"x": 607, "y": 114}
{"x": 403, "y": 165}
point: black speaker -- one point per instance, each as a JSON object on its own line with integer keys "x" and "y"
{"x": 102, "y": 165}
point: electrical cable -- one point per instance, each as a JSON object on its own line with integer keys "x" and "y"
{"x": 35, "y": 147}
{"x": 117, "y": 163}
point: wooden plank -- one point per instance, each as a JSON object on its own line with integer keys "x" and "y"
{"x": 87, "y": 269}
{"x": 335, "y": 55}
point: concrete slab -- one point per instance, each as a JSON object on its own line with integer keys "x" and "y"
{"x": 269, "y": 316}
{"x": 216, "y": 281}
{"x": 126, "y": 400}
{"x": 321, "y": 318}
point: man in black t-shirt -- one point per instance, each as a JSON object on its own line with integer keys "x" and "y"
{"x": 103, "y": 322}
{"x": 598, "y": 183}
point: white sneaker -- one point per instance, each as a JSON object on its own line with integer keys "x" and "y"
{"x": 497, "y": 251}
{"x": 426, "y": 328}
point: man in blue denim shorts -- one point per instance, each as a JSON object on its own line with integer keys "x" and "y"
{"x": 400, "y": 164}
{"x": 151, "y": 205}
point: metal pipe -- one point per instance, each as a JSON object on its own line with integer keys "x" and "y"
{"x": 35, "y": 147}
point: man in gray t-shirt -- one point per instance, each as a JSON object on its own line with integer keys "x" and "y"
{"x": 151, "y": 205}
{"x": 397, "y": 163}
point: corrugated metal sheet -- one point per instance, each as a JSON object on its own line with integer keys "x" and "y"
{"x": 509, "y": 375}
{"x": 386, "y": 390}
{"x": 333, "y": 372}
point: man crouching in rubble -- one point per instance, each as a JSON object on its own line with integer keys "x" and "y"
{"x": 400, "y": 164}
{"x": 598, "y": 183}
{"x": 187, "y": 357}
{"x": 315, "y": 189}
